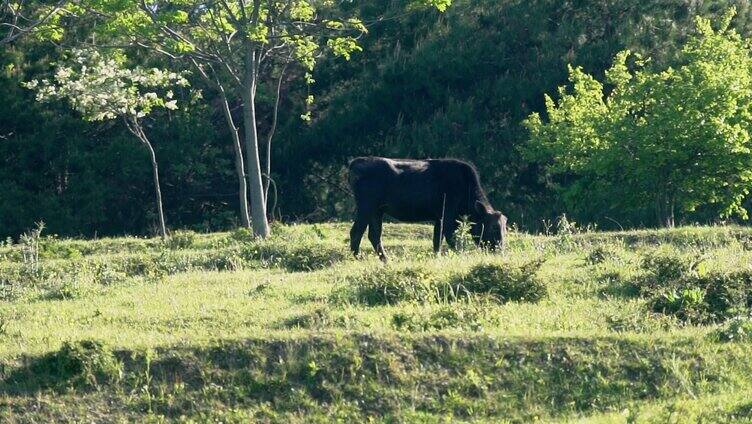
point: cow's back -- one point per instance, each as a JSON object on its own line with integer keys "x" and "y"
{"x": 408, "y": 190}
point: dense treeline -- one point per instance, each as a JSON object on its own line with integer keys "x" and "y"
{"x": 431, "y": 85}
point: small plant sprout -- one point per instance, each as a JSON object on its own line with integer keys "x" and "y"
{"x": 100, "y": 87}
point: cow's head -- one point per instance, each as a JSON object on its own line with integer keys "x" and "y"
{"x": 490, "y": 230}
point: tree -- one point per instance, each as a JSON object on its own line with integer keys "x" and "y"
{"x": 672, "y": 140}
{"x": 21, "y": 17}
{"x": 237, "y": 45}
{"x": 102, "y": 88}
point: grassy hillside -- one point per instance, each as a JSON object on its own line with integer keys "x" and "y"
{"x": 641, "y": 326}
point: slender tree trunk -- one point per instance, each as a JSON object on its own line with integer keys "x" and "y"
{"x": 157, "y": 190}
{"x": 135, "y": 127}
{"x": 259, "y": 219}
{"x": 270, "y": 137}
{"x": 670, "y": 205}
{"x": 239, "y": 166}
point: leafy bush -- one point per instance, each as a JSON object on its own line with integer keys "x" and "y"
{"x": 87, "y": 362}
{"x": 505, "y": 282}
{"x": 662, "y": 268}
{"x": 499, "y": 281}
{"x": 683, "y": 286}
{"x": 390, "y": 285}
{"x": 737, "y": 329}
{"x": 52, "y": 248}
{"x": 181, "y": 239}
{"x": 295, "y": 256}
{"x": 463, "y": 237}
{"x": 318, "y": 318}
{"x": 601, "y": 254}
{"x": 687, "y": 304}
{"x": 467, "y": 317}
{"x": 242, "y": 235}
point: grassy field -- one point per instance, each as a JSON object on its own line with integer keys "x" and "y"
{"x": 641, "y": 326}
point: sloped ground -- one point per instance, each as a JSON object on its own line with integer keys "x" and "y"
{"x": 645, "y": 326}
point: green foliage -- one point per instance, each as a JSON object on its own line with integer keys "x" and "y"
{"x": 85, "y": 363}
{"x": 391, "y": 284}
{"x": 427, "y": 95}
{"x": 420, "y": 94}
{"x": 601, "y": 254}
{"x": 685, "y": 287}
{"x": 470, "y": 317}
{"x": 181, "y": 239}
{"x": 463, "y": 237}
{"x": 505, "y": 282}
{"x": 498, "y": 281}
{"x": 673, "y": 140}
{"x": 737, "y": 329}
{"x": 299, "y": 255}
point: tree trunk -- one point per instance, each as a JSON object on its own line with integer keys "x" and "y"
{"x": 239, "y": 166}
{"x": 157, "y": 190}
{"x": 134, "y": 126}
{"x": 259, "y": 220}
{"x": 270, "y": 137}
{"x": 670, "y": 223}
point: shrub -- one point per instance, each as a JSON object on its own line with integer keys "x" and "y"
{"x": 665, "y": 268}
{"x": 500, "y": 282}
{"x": 737, "y": 329}
{"x": 601, "y": 254}
{"x": 12, "y": 280}
{"x": 684, "y": 287}
{"x": 318, "y": 318}
{"x": 467, "y": 317}
{"x": 687, "y": 304}
{"x": 295, "y": 256}
{"x": 463, "y": 237}
{"x": 72, "y": 282}
{"x": 143, "y": 264}
{"x": 390, "y": 285}
{"x": 242, "y": 235}
{"x": 505, "y": 282}
{"x": 87, "y": 362}
{"x": 181, "y": 239}
{"x": 52, "y": 248}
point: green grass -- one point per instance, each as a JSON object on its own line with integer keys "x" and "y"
{"x": 218, "y": 327}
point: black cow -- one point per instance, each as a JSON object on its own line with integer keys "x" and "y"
{"x": 436, "y": 190}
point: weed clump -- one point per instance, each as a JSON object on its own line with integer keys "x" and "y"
{"x": 295, "y": 256}
{"x": 87, "y": 363}
{"x": 737, "y": 329}
{"x": 684, "y": 287}
{"x": 601, "y": 254}
{"x": 319, "y": 318}
{"x": 468, "y": 317}
{"x": 390, "y": 285}
{"x": 505, "y": 282}
{"x": 498, "y": 281}
{"x": 181, "y": 239}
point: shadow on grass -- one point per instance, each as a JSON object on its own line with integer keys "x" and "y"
{"x": 381, "y": 376}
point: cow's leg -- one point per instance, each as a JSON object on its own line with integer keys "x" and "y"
{"x": 374, "y": 235}
{"x": 437, "y": 237}
{"x": 356, "y": 233}
{"x": 450, "y": 227}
